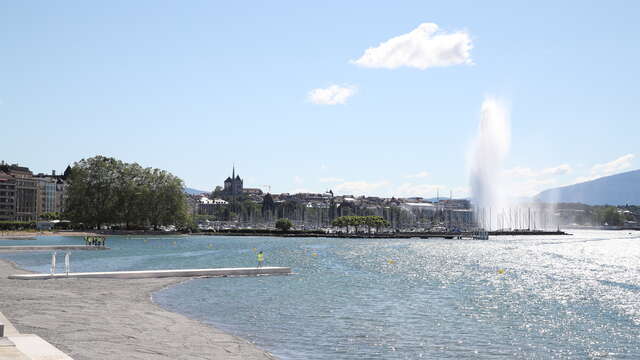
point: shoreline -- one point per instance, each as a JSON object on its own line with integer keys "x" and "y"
{"x": 26, "y": 235}
{"x": 113, "y": 319}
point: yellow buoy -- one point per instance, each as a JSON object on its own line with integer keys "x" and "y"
{"x": 210, "y": 246}
{"x": 254, "y": 250}
{"x": 174, "y": 243}
{"x": 314, "y": 254}
{"x": 500, "y": 271}
{"x": 391, "y": 261}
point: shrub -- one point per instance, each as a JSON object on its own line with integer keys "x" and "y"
{"x": 284, "y": 224}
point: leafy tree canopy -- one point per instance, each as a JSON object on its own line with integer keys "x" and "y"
{"x": 106, "y": 191}
{"x": 284, "y": 224}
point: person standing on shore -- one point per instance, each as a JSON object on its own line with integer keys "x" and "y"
{"x": 260, "y": 259}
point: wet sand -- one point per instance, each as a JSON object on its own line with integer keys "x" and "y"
{"x": 112, "y": 319}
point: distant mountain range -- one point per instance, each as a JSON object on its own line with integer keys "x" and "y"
{"x": 619, "y": 189}
{"x": 192, "y": 191}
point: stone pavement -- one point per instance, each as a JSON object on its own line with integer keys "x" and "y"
{"x": 16, "y": 346}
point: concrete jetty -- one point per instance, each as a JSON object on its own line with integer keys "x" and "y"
{"x": 145, "y": 274}
{"x": 51, "y": 248}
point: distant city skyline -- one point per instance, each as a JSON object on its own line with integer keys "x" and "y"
{"x": 311, "y": 97}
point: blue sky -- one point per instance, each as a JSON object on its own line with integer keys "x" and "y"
{"x": 193, "y": 87}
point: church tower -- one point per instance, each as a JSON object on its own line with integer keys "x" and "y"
{"x": 233, "y": 185}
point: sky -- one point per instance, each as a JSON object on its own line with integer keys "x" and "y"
{"x": 361, "y": 97}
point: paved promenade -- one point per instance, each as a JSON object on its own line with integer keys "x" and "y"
{"x": 50, "y": 248}
{"x": 149, "y": 274}
{"x": 114, "y": 319}
{"x": 17, "y": 346}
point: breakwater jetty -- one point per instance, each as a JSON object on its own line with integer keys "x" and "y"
{"x": 146, "y": 274}
{"x": 390, "y": 235}
{"x": 51, "y": 248}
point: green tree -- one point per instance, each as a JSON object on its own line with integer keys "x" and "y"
{"x": 92, "y": 193}
{"x": 284, "y": 224}
{"x": 340, "y": 222}
{"x": 609, "y": 215}
{"x": 106, "y": 191}
{"x": 357, "y": 221}
{"x": 50, "y": 216}
{"x": 376, "y": 222}
{"x": 217, "y": 192}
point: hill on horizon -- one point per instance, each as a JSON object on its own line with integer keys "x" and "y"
{"x": 619, "y": 189}
{"x": 192, "y": 191}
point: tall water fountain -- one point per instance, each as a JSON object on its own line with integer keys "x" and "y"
{"x": 494, "y": 207}
{"x": 488, "y": 152}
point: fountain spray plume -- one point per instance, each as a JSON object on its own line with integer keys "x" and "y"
{"x": 488, "y": 152}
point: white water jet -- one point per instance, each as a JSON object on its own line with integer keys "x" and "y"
{"x": 488, "y": 152}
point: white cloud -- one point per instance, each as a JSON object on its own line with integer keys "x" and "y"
{"x": 424, "y": 47}
{"x": 421, "y": 174}
{"x": 581, "y": 179}
{"x": 529, "y": 187}
{"x": 428, "y": 191}
{"x": 557, "y": 170}
{"x": 333, "y": 95}
{"x": 519, "y": 172}
{"x": 331, "y": 180}
{"x": 620, "y": 164}
{"x": 525, "y": 172}
{"x": 300, "y": 191}
{"x": 526, "y": 182}
{"x": 359, "y": 187}
{"x": 612, "y": 167}
{"x": 411, "y": 189}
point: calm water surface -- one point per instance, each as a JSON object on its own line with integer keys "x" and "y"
{"x": 509, "y": 297}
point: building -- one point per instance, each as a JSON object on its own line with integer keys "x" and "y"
{"x": 51, "y": 190}
{"x": 26, "y": 192}
{"x": 25, "y": 197}
{"x": 252, "y": 191}
{"x": 207, "y": 206}
{"x": 233, "y": 186}
{"x": 7, "y": 197}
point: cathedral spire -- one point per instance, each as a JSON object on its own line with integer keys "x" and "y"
{"x": 233, "y": 173}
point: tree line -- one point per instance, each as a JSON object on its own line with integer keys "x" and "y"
{"x": 107, "y": 191}
{"x": 356, "y": 222}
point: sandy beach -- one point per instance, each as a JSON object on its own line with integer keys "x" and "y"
{"x": 112, "y": 319}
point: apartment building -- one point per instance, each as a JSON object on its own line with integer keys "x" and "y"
{"x": 7, "y": 197}
{"x": 25, "y": 197}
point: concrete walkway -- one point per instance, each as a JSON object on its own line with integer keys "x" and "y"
{"x": 16, "y": 346}
{"x": 51, "y": 248}
{"x": 145, "y": 274}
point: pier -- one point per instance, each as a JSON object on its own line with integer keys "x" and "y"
{"x": 384, "y": 235}
{"x": 51, "y": 248}
{"x": 145, "y": 274}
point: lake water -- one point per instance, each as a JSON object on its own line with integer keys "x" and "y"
{"x": 508, "y": 297}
